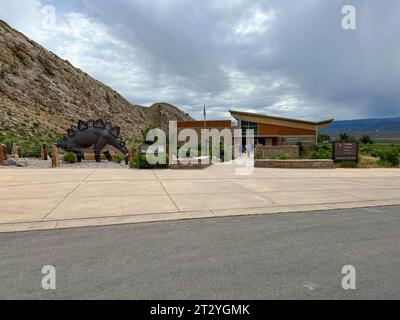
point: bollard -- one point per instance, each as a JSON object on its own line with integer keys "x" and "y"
{"x": 55, "y": 161}
{"x": 132, "y": 153}
{"x": 44, "y": 152}
{"x": 15, "y": 149}
{"x": 3, "y": 153}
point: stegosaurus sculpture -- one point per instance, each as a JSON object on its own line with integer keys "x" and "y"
{"x": 98, "y": 136}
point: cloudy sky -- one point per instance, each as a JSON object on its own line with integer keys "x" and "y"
{"x": 288, "y": 58}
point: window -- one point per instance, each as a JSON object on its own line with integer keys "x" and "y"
{"x": 249, "y": 126}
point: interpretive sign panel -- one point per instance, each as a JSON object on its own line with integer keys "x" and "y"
{"x": 345, "y": 151}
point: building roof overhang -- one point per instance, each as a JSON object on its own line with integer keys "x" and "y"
{"x": 261, "y": 118}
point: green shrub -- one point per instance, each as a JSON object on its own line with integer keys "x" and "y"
{"x": 8, "y": 143}
{"x": 322, "y": 151}
{"x": 391, "y": 156}
{"x": 118, "y": 158}
{"x": 344, "y": 137}
{"x": 365, "y": 139}
{"x": 70, "y": 157}
{"x": 323, "y": 137}
{"x": 365, "y": 149}
{"x": 139, "y": 161}
{"x": 349, "y": 164}
{"x": 283, "y": 157}
{"x": 320, "y": 154}
{"x": 30, "y": 151}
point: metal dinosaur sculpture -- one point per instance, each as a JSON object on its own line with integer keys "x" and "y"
{"x": 94, "y": 135}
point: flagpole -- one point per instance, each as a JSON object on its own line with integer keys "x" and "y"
{"x": 205, "y": 128}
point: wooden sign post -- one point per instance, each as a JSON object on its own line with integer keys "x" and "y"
{"x": 44, "y": 152}
{"x": 55, "y": 161}
{"x": 132, "y": 153}
{"x": 345, "y": 151}
{"x": 15, "y": 149}
{"x": 3, "y": 153}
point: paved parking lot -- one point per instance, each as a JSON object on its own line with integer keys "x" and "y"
{"x": 62, "y": 198}
{"x": 285, "y": 256}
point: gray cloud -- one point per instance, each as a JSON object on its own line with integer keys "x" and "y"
{"x": 282, "y": 57}
{"x": 323, "y": 69}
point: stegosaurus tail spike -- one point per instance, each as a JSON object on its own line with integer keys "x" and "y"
{"x": 115, "y": 131}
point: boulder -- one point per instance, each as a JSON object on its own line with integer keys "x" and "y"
{"x": 13, "y": 156}
{"x": 10, "y": 162}
{"x": 23, "y": 162}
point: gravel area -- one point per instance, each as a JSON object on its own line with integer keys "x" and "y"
{"x": 41, "y": 164}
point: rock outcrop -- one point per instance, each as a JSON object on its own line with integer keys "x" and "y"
{"x": 42, "y": 94}
{"x": 161, "y": 113}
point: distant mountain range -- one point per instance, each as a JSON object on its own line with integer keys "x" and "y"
{"x": 365, "y": 125}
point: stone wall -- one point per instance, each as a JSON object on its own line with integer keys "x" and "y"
{"x": 301, "y": 164}
{"x": 272, "y": 152}
{"x": 194, "y": 163}
{"x": 308, "y": 141}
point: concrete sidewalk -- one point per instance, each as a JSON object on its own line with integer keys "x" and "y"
{"x": 64, "y": 198}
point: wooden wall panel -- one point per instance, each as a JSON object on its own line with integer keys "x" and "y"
{"x": 274, "y": 130}
{"x": 200, "y": 124}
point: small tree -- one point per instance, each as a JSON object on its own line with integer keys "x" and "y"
{"x": 344, "y": 137}
{"x": 322, "y": 137}
{"x": 365, "y": 139}
{"x": 69, "y": 157}
{"x": 390, "y": 156}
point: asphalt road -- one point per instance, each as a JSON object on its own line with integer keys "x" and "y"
{"x": 283, "y": 256}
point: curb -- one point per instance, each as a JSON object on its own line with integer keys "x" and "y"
{"x": 185, "y": 215}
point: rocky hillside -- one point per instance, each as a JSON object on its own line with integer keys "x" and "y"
{"x": 161, "y": 113}
{"x": 41, "y": 95}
